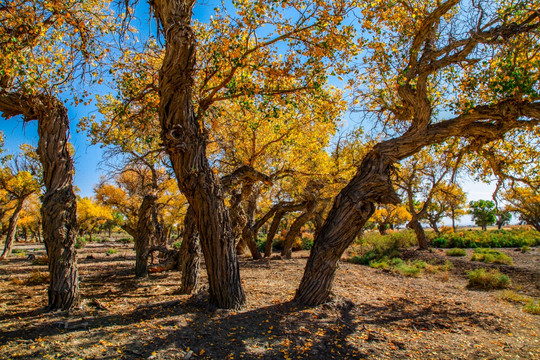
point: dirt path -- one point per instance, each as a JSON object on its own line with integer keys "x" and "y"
{"x": 376, "y": 314}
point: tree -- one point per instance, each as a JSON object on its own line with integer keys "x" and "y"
{"x": 525, "y": 201}
{"x": 503, "y": 218}
{"x": 483, "y": 213}
{"x": 245, "y": 61}
{"x": 419, "y": 50}
{"x": 45, "y": 47}
{"x": 18, "y": 187}
{"x": 388, "y": 216}
{"x": 448, "y": 201}
{"x": 91, "y": 215}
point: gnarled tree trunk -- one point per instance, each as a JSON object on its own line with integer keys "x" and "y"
{"x": 294, "y": 231}
{"x": 144, "y": 235}
{"x": 419, "y": 232}
{"x": 185, "y": 142}
{"x": 352, "y": 207}
{"x": 59, "y": 206}
{"x": 272, "y": 233}
{"x": 190, "y": 255}
{"x": 12, "y": 229}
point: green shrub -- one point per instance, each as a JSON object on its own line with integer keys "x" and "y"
{"x": 532, "y": 307}
{"x": 177, "y": 245}
{"x": 408, "y": 269}
{"x": 484, "y": 279}
{"x": 126, "y": 240}
{"x": 493, "y": 238}
{"x": 456, "y": 252}
{"x": 307, "y": 243}
{"x": 112, "y": 251}
{"x": 80, "y": 242}
{"x": 490, "y": 256}
{"x": 525, "y": 249}
{"x": 19, "y": 252}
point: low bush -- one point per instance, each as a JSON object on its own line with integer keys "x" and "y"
{"x": 177, "y": 245}
{"x": 525, "y": 249}
{"x": 491, "y": 256}
{"x": 126, "y": 240}
{"x": 484, "y": 279}
{"x": 80, "y": 242}
{"x": 37, "y": 278}
{"x": 529, "y": 305}
{"x": 456, "y": 252}
{"x": 41, "y": 260}
{"x": 112, "y": 251}
{"x": 495, "y": 238}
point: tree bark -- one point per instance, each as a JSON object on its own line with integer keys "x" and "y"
{"x": 352, "y": 207}
{"x": 419, "y": 232}
{"x": 12, "y": 229}
{"x": 190, "y": 255}
{"x": 144, "y": 235}
{"x": 294, "y": 231}
{"x": 185, "y": 142}
{"x": 59, "y": 206}
{"x": 272, "y": 233}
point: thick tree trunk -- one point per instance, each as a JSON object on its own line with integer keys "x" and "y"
{"x": 12, "y": 229}
{"x": 352, "y": 207}
{"x": 248, "y": 232}
{"x": 185, "y": 142}
{"x": 59, "y": 206}
{"x": 419, "y": 232}
{"x": 382, "y": 229}
{"x": 190, "y": 255}
{"x": 294, "y": 231}
{"x": 435, "y": 227}
{"x": 144, "y": 235}
{"x": 272, "y": 233}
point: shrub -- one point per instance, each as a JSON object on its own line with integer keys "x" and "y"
{"x": 37, "y": 278}
{"x": 491, "y": 256}
{"x": 524, "y": 249}
{"x": 484, "y": 279}
{"x": 177, "y": 245}
{"x": 41, "y": 260}
{"x": 517, "y": 237}
{"x": 408, "y": 269}
{"x": 456, "y": 252}
{"x": 112, "y": 251}
{"x": 80, "y": 242}
{"x": 19, "y": 252}
{"x": 126, "y": 240}
{"x": 532, "y": 307}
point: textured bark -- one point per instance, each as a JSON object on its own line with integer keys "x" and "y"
{"x": 185, "y": 143}
{"x": 12, "y": 229}
{"x": 352, "y": 207}
{"x": 419, "y": 232}
{"x": 144, "y": 235}
{"x": 59, "y": 206}
{"x": 294, "y": 231}
{"x": 248, "y": 232}
{"x": 190, "y": 255}
{"x": 272, "y": 233}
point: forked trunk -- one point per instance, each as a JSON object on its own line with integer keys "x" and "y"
{"x": 185, "y": 142}
{"x": 59, "y": 207}
{"x": 12, "y": 229}
{"x": 419, "y": 232}
{"x": 145, "y": 233}
{"x": 352, "y": 207}
{"x": 190, "y": 255}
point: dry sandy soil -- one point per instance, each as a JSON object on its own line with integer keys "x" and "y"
{"x": 375, "y": 314}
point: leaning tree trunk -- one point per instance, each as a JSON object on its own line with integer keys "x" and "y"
{"x": 59, "y": 206}
{"x": 248, "y": 232}
{"x": 352, "y": 208}
{"x": 190, "y": 255}
{"x": 185, "y": 143}
{"x": 144, "y": 235}
{"x": 12, "y": 229}
{"x": 294, "y": 231}
{"x": 272, "y": 233}
{"x": 419, "y": 232}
